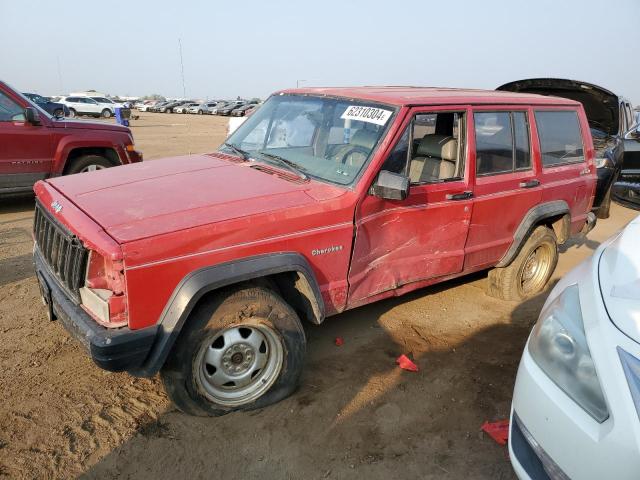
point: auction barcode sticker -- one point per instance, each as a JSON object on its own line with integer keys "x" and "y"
{"x": 379, "y": 116}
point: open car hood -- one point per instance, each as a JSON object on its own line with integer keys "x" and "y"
{"x": 600, "y": 105}
{"x": 619, "y": 274}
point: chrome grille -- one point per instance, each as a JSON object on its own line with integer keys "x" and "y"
{"x": 61, "y": 250}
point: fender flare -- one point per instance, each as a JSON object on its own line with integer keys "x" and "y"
{"x": 530, "y": 220}
{"x": 207, "y": 279}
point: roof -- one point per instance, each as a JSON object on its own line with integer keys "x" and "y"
{"x": 408, "y": 96}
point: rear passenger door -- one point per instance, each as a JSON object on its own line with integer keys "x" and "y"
{"x": 567, "y": 161}
{"x": 507, "y": 183}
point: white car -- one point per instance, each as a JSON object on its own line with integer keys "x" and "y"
{"x": 185, "y": 108}
{"x": 88, "y": 106}
{"x": 576, "y": 404}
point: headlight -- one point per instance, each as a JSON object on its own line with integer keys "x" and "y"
{"x": 602, "y": 162}
{"x": 559, "y": 346}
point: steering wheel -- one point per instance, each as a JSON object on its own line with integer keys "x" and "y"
{"x": 352, "y": 150}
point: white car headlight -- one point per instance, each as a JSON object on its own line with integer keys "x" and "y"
{"x": 559, "y": 346}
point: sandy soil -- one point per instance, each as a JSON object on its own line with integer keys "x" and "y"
{"x": 355, "y": 415}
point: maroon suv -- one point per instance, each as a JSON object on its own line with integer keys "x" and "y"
{"x": 34, "y": 145}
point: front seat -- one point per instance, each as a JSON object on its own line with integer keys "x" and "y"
{"x": 362, "y": 140}
{"x": 436, "y": 159}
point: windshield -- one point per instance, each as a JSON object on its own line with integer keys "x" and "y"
{"x": 326, "y": 138}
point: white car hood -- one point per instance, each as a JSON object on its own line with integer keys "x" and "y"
{"x": 619, "y": 272}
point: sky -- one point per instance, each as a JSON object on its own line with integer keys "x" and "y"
{"x": 252, "y": 48}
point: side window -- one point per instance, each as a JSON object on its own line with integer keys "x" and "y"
{"x": 494, "y": 144}
{"x": 436, "y": 147}
{"x": 502, "y": 142}
{"x": 396, "y": 162}
{"x": 10, "y": 111}
{"x": 560, "y": 137}
{"x": 521, "y": 140}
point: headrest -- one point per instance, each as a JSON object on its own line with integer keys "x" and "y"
{"x": 364, "y": 138}
{"x": 439, "y": 146}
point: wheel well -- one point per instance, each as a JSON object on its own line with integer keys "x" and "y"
{"x": 293, "y": 287}
{"x": 560, "y": 224}
{"x": 108, "y": 153}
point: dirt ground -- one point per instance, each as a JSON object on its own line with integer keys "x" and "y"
{"x": 356, "y": 414}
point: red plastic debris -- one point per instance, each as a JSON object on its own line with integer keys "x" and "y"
{"x": 406, "y": 364}
{"x": 499, "y": 430}
{"x": 339, "y": 341}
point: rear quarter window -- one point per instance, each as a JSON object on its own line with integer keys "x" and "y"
{"x": 560, "y": 137}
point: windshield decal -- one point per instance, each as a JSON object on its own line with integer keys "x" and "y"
{"x": 378, "y": 116}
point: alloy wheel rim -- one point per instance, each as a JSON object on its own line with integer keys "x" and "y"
{"x": 239, "y": 364}
{"x": 92, "y": 168}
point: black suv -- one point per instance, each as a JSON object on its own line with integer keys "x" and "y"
{"x": 610, "y": 117}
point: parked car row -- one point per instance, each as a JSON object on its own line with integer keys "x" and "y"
{"x": 237, "y": 108}
{"x": 36, "y": 144}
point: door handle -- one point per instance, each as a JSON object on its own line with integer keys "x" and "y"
{"x": 459, "y": 196}
{"x": 530, "y": 184}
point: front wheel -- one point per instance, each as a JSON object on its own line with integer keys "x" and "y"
{"x": 88, "y": 163}
{"x": 200, "y": 112}
{"x": 72, "y": 113}
{"x": 530, "y": 271}
{"x": 106, "y": 113}
{"x": 239, "y": 350}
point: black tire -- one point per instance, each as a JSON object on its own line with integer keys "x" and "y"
{"x": 520, "y": 280}
{"x": 183, "y": 373}
{"x": 58, "y": 112}
{"x": 72, "y": 113}
{"x": 106, "y": 113}
{"x": 605, "y": 207}
{"x": 85, "y": 162}
{"x": 200, "y": 112}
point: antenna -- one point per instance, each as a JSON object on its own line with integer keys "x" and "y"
{"x": 59, "y": 74}
{"x": 184, "y": 92}
{"x": 184, "y": 89}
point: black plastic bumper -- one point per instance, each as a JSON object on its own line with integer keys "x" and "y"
{"x": 118, "y": 349}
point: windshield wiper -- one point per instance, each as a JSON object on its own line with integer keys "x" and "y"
{"x": 288, "y": 164}
{"x": 239, "y": 151}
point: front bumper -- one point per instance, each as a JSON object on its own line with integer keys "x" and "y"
{"x": 118, "y": 349}
{"x": 560, "y": 433}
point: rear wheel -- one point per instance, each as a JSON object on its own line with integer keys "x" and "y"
{"x": 58, "y": 113}
{"x": 106, "y": 113}
{"x": 200, "y": 112}
{"x": 530, "y": 271}
{"x": 88, "y": 163}
{"x": 239, "y": 350}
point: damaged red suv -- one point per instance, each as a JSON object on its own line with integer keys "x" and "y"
{"x": 205, "y": 268}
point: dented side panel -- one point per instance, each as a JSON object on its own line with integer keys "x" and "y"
{"x": 402, "y": 242}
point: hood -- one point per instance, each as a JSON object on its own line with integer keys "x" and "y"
{"x": 148, "y": 199}
{"x": 88, "y": 125}
{"x": 619, "y": 274}
{"x": 600, "y": 105}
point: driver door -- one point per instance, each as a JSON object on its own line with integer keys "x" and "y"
{"x": 25, "y": 149}
{"x": 406, "y": 244}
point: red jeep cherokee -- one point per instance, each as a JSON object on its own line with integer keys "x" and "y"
{"x": 203, "y": 269}
{"x": 35, "y": 145}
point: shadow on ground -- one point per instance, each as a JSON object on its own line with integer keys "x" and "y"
{"x": 356, "y": 414}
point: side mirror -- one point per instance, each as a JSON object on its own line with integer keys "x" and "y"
{"x": 390, "y": 186}
{"x": 31, "y": 116}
